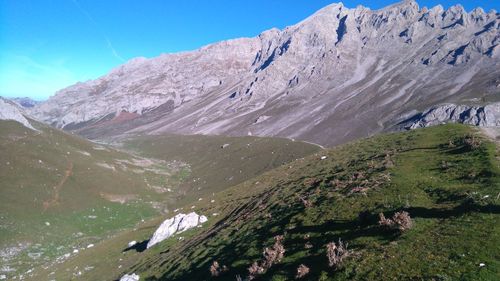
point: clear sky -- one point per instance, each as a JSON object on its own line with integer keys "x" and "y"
{"x": 46, "y": 45}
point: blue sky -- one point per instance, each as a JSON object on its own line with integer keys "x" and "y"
{"x": 48, "y": 45}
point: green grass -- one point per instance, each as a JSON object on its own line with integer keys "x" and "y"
{"x": 450, "y": 191}
{"x": 107, "y": 191}
{"x": 213, "y": 168}
{"x": 60, "y": 192}
{"x": 443, "y": 188}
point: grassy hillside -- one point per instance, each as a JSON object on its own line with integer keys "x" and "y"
{"x": 60, "y": 193}
{"x": 218, "y": 162}
{"x": 446, "y": 178}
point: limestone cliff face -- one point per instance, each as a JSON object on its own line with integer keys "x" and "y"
{"x": 336, "y": 76}
{"x": 483, "y": 116}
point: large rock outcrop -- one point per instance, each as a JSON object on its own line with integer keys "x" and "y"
{"x": 338, "y": 75}
{"x": 483, "y": 116}
{"x": 177, "y": 224}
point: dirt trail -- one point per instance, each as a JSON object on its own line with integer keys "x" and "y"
{"x": 55, "y": 199}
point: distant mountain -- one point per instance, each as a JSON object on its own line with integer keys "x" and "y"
{"x": 11, "y": 111}
{"x": 339, "y": 75}
{"x": 25, "y": 102}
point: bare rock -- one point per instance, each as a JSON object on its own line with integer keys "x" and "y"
{"x": 177, "y": 224}
{"x": 336, "y": 76}
{"x": 130, "y": 277}
{"x": 10, "y": 111}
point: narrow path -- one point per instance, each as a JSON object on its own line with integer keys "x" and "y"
{"x": 55, "y": 200}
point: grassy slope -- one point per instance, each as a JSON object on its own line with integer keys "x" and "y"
{"x": 88, "y": 177}
{"x": 214, "y": 168}
{"x": 450, "y": 191}
{"x": 443, "y": 188}
{"x": 59, "y": 193}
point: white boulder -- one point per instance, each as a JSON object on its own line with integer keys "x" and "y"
{"x": 130, "y": 277}
{"x": 177, "y": 224}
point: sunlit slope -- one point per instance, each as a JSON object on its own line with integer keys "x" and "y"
{"x": 446, "y": 178}
{"x": 60, "y": 192}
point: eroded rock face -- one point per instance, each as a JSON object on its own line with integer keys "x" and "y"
{"x": 10, "y": 111}
{"x": 338, "y": 75}
{"x": 177, "y": 224}
{"x": 484, "y": 116}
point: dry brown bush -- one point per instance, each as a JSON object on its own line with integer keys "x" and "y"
{"x": 388, "y": 163}
{"x": 275, "y": 253}
{"x": 307, "y": 203}
{"x": 216, "y": 270}
{"x": 302, "y": 271}
{"x": 271, "y": 256}
{"x": 336, "y": 253}
{"x": 400, "y": 220}
{"x": 472, "y": 141}
{"x": 254, "y": 270}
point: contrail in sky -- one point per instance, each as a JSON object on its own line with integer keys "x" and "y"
{"x": 91, "y": 19}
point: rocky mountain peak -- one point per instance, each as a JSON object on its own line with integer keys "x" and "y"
{"x": 348, "y": 69}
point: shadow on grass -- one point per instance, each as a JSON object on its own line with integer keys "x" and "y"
{"x": 139, "y": 247}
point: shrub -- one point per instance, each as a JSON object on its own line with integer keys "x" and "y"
{"x": 271, "y": 256}
{"x": 388, "y": 163}
{"x": 307, "y": 203}
{"x": 472, "y": 142}
{"x": 254, "y": 270}
{"x": 216, "y": 270}
{"x": 400, "y": 220}
{"x": 302, "y": 271}
{"x": 336, "y": 253}
{"x": 275, "y": 253}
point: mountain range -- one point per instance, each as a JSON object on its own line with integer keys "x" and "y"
{"x": 339, "y": 75}
{"x": 150, "y": 172}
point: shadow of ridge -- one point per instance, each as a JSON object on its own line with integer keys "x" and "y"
{"x": 462, "y": 209}
{"x": 138, "y": 247}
